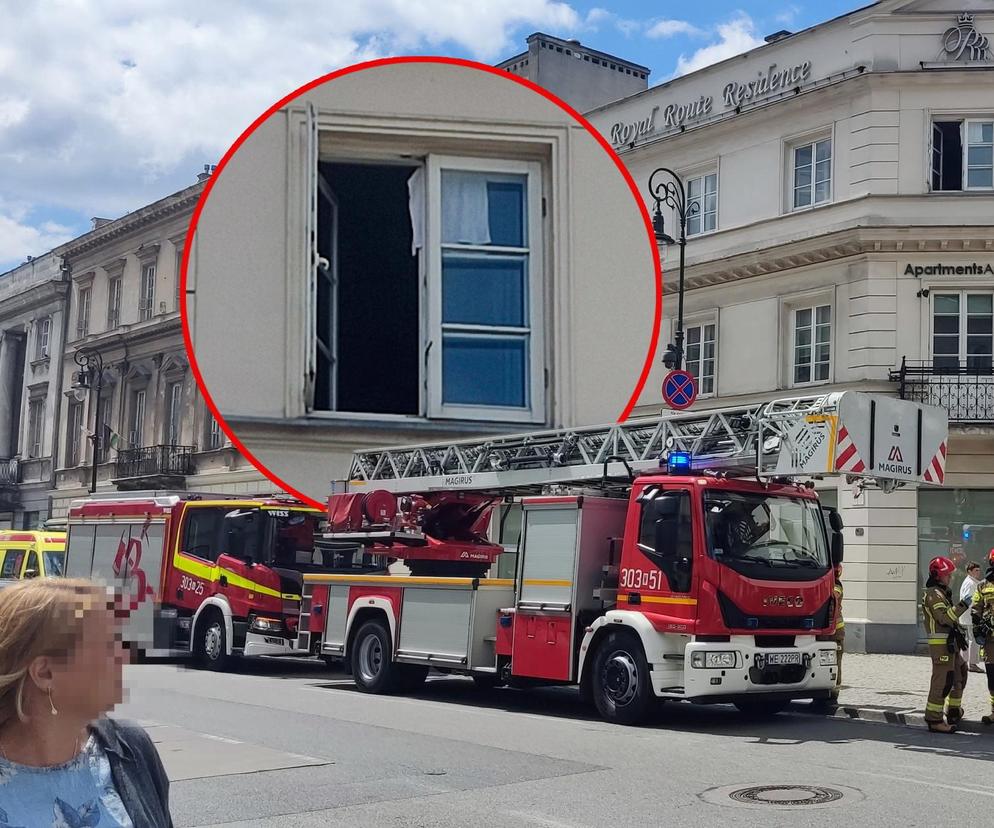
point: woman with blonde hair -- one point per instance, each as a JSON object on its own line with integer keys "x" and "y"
{"x": 62, "y": 761}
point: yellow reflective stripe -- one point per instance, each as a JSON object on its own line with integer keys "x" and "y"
{"x": 663, "y": 599}
{"x": 397, "y": 580}
{"x": 213, "y": 573}
{"x": 936, "y": 641}
{"x": 497, "y": 582}
{"x": 840, "y": 626}
{"x": 934, "y": 708}
{"x": 954, "y": 702}
{"x": 546, "y": 582}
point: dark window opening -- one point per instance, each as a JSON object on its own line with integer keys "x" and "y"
{"x": 368, "y": 355}
{"x": 202, "y": 532}
{"x": 947, "y": 155}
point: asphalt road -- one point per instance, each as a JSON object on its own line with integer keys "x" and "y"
{"x": 277, "y": 744}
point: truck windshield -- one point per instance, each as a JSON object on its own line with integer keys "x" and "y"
{"x": 756, "y": 533}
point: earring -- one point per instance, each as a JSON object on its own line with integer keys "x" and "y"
{"x": 51, "y": 703}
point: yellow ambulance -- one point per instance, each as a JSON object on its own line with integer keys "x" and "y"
{"x": 27, "y": 554}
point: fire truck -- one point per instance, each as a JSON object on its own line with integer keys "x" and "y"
{"x": 684, "y": 557}
{"x": 206, "y": 575}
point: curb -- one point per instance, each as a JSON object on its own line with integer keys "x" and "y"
{"x": 909, "y": 718}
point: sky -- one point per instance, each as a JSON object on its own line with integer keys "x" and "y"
{"x": 108, "y": 105}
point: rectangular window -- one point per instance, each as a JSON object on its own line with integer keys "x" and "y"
{"x": 36, "y": 424}
{"x": 147, "y": 298}
{"x": 962, "y": 333}
{"x": 215, "y": 437}
{"x": 812, "y": 344}
{"x": 137, "y": 432}
{"x": 702, "y": 204}
{"x": 114, "y": 303}
{"x": 202, "y": 532}
{"x": 179, "y": 273}
{"x": 83, "y": 313}
{"x": 106, "y": 432}
{"x": 485, "y": 291}
{"x": 812, "y": 173}
{"x": 43, "y": 338}
{"x": 962, "y": 155}
{"x": 74, "y": 435}
{"x": 174, "y": 421}
{"x": 701, "y": 342}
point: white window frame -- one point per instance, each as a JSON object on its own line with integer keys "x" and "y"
{"x": 534, "y": 411}
{"x": 215, "y": 436}
{"x": 174, "y": 413}
{"x": 701, "y": 323}
{"x": 114, "y": 287}
{"x": 36, "y": 426}
{"x": 962, "y": 293}
{"x": 965, "y": 133}
{"x": 179, "y": 275}
{"x": 84, "y": 299}
{"x": 43, "y": 337}
{"x": 146, "y": 300}
{"x": 74, "y": 454}
{"x": 703, "y": 177}
{"x": 813, "y": 306}
{"x": 810, "y": 141}
{"x": 136, "y": 433}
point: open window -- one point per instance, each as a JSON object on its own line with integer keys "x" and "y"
{"x": 962, "y": 154}
{"x": 426, "y": 285}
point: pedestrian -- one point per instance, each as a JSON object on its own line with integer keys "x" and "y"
{"x": 982, "y": 612}
{"x": 945, "y": 642}
{"x": 967, "y": 589}
{"x": 840, "y": 633}
{"x": 62, "y": 761}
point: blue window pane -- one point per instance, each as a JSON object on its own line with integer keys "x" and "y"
{"x": 484, "y": 370}
{"x": 506, "y": 210}
{"x": 484, "y": 290}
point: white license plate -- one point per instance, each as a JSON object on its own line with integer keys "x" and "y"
{"x": 781, "y": 659}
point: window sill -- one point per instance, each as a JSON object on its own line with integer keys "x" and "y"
{"x": 808, "y": 208}
{"x": 41, "y": 362}
{"x": 331, "y": 421}
{"x": 974, "y": 193}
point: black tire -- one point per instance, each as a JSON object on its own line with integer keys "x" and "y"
{"x": 373, "y": 669}
{"x": 211, "y": 643}
{"x": 620, "y": 682}
{"x": 762, "y": 708}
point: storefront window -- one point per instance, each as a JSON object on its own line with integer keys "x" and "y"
{"x": 957, "y": 523}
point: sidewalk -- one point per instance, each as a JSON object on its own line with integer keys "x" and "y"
{"x": 893, "y": 688}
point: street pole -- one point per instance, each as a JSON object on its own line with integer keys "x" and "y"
{"x": 91, "y": 378}
{"x": 673, "y": 194}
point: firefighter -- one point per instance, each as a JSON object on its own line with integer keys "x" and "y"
{"x": 840, "y": 632}
{"x": 982, "y": 613}
{"x": 946, "y": 640}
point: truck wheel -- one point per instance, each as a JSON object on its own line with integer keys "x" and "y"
{"x": 621, "y": 687}
{"x": 372, "y": 665}
{"x": 211, "y": 646}
{"x": 762, "y": 707}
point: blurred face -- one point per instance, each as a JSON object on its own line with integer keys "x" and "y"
{"x": 973, "y": 572}
{"x": 90, "y": 682}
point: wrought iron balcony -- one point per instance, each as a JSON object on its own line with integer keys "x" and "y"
{"x": 159, "y": 465}
{"x": 10, "y": 473}
{"x": 966, "y": 392}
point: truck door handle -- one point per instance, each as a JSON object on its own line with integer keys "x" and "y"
{"x": 223, "y": 580}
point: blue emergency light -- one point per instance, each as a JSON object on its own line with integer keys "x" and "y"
{"x": 966, "y": 534}
{"x": 678, "y": 461}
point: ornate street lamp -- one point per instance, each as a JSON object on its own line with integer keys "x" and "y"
{"x": 89, "y": 380}
{"x": 673, "y": 194}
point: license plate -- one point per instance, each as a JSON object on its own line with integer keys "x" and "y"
{"x": 781, "y": 659}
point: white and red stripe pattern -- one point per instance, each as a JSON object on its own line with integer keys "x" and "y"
{"x": 846, "y": 457}
{"x": 936, "y": 471}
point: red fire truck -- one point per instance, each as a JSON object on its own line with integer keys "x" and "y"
{"x": 204, "y": 574}
{"x": 677, "y": 558}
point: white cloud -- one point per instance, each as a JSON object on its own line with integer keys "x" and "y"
{"x": 107, "y": 106}
{"x": 788, "y": 16}
{"x": 670, "y": 28}
{"x": 735, "y": 37}
{"x": 19, "y": 239}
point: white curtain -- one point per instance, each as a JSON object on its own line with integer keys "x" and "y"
{"x": 465, "y": 214}
{"x": 416, "y": 205}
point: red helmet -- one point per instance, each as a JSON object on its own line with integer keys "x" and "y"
{"x": 990, "y": 558}
{"x": 941, "y": 566}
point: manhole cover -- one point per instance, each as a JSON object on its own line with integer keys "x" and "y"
{"x": 787, "y": 795}
{"x": 783, "y": 797}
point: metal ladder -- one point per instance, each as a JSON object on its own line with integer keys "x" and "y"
{"x": 743, "y": 437}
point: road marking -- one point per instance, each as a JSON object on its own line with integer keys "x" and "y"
{"x": 910, "y": 780}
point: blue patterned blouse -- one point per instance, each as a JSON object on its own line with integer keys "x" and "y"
{"x": 78, "y": 794}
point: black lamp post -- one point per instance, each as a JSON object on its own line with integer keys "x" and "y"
{"x": 673, "y": 194}
{"x": 90, "y": 378}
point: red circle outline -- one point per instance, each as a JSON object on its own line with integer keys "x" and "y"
{"x": 358, "y": 67}
{"x": 688, "y": 377}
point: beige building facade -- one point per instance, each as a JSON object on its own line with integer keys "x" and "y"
{"x": 842, "y": 238}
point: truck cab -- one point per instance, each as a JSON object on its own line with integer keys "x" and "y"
{"x": 31, "y": 554}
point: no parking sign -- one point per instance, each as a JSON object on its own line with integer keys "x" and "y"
{"x": 679, "y": 390}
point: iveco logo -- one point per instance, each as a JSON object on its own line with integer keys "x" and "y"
{"x": 796, "y": 601}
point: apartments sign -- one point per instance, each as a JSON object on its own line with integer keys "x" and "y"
{"x": 974, "y": 269}
{"x": 734, "y": 94}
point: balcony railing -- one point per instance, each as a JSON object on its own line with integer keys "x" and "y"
{"x": 155, "y": 461}
{"x": 967, "y": 393}
{"x": 10, "y": 472}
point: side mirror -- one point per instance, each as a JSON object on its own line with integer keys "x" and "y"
{"x": 837, "y": 548}
{"x": 30, "y": 573}
{"x": 835, "y": 520}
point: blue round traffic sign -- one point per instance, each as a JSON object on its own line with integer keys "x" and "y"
{"x": 679, "y": 390}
